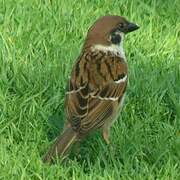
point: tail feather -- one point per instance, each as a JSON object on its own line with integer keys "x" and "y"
{"x": 61, "y": 145}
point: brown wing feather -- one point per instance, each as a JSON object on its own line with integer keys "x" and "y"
{"x": 93, "y": 90}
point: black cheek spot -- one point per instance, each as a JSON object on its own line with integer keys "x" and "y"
{"x": 115, "y": 38}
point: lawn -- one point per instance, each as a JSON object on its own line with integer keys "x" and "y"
{"x": 39, "y": 42}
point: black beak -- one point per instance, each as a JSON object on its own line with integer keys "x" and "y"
{"x": 131, "y": 27}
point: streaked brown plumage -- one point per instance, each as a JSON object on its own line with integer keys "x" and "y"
{"x": 97, "y": 85}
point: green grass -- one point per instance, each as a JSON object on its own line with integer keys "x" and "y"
{"x": 39, "y": 42}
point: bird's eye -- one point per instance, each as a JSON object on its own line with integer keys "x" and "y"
{"x": 121, "y": 25}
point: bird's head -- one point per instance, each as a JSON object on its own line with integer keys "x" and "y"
{"x": 109, "y": 30}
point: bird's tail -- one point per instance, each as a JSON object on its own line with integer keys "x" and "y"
{"x": 61, "y": 145}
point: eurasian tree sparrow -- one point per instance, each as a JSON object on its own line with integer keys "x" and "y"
{"x": 96, "y": 88}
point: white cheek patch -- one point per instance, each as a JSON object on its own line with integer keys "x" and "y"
{"x": 115, "y": 49}
{"x": 121, "y": 49}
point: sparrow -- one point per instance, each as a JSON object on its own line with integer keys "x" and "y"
{"x": 96, "y": 88}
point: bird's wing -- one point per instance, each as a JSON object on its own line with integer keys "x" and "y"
{"x": 96, "y": 86}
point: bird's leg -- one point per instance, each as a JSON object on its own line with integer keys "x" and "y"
{"x": 106, "y": 134}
